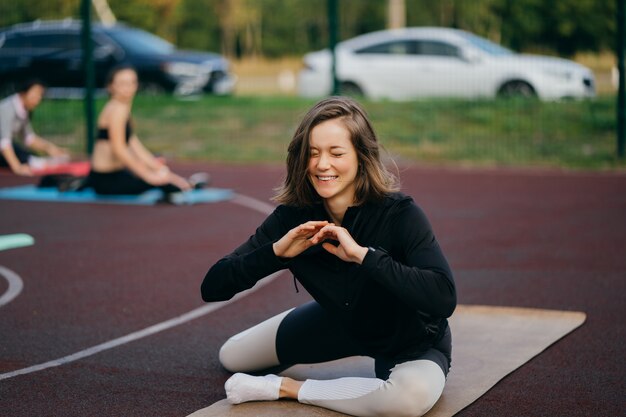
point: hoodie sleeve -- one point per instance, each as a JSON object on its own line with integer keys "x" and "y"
{"x": 247, "y": 264}
{"x": 423, "y": 280}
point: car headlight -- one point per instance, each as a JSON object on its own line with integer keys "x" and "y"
{"x": 558, "y": 73}
{"x": 183, "y": 69}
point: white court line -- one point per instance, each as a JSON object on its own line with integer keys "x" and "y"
{"x": 15, "y": 285}
{"x": 249, "y": 202}
{"x": 168, "y": 324}
{"x": 253, "y": 203}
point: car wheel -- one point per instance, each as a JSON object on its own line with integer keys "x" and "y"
{"x": 350, "y": 89}
{"x": 152, "y": 89}
{"x": 517, "y": 88}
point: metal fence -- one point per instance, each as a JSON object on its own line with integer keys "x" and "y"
{"x": 580, "y": 133}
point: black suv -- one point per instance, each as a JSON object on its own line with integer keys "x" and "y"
{"x": 51, "y": 51}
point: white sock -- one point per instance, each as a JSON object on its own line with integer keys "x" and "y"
{"x": 241, "y": 388}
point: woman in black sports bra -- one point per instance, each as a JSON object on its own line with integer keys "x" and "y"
{"x": 120, "y": 164}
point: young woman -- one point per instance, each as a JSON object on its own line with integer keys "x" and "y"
{"x": 17, "y": 137}
{"x": 368, "y": 257}
{"x": 120, "y": 164}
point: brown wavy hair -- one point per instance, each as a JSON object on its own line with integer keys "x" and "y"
{"x": 373, "y": 181}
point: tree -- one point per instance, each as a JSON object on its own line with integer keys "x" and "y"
{"x": 12, "y": 12}
{"x": 396, "y": 14}
{"x": 564, "y": 26}
{"x": 240, "y": 23}
{"x": 276, "y": 28}
{"x": 198, "y": 26}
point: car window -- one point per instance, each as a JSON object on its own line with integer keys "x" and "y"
{"x": 140, "y": 42}
{"x": 44, "y": 41}
{"x": 401, "y": 47}
{"x": 18, "y": 42}
{"x": 58, "y": 41}
{"x": 437, "y": 48}
{"x": 486, "y": 45}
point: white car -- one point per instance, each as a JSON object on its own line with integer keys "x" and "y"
{"x": 403, "y": 64}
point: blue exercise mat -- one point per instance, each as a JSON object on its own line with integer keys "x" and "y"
{"x": 34, "y": 193}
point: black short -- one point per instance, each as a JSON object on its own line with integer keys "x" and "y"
{"x": 123, "y": 182}
{"x": 308, "y": 334}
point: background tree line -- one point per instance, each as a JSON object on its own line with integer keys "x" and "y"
{"x": 276, "y": 28}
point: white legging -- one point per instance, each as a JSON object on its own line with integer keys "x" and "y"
{"x": 412, "y": 388}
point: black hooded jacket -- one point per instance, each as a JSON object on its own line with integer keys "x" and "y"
{"x": 395, "y": 303}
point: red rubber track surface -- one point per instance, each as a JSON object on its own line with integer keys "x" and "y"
{"x": 544, "y": 239}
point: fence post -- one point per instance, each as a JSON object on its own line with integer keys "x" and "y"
{"x": 88, "y": 69}
{"x": 332, "y": 40}
{"x": 621, "y": 91}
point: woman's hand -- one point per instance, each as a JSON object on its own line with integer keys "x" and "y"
{"x": 56, "y": 152}
{"x": 177, "y": 180}
{"x": 157, "y": 178}
{"x": 23, "y": 170}
{"x": 347, "y": 250}
{"x": 298, "y": 239}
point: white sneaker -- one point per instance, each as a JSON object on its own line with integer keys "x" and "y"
{"x": 241, "y": 388}
{"x": 177, "y": 198}
{"x": 37, "y": 162}
{"x": 199, "y": 180}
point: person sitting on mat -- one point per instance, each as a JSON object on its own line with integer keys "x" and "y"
{"x": 19, "y": 144}
{"x": 120, "y": 164}
{"x": 368, "y": 256}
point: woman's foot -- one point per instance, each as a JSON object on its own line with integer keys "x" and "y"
{"x": 241, "y": 388}
{"x": 199, "y": 180}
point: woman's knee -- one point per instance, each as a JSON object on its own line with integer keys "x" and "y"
{"x": 231, "y": 356}
{"x": 253, "y": 349}
{"x": 416, "y": 388}
{"x": 246, "y": 354}
{"x": 415, "y": 402}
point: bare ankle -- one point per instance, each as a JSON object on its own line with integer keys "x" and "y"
{"x": 289, "y": 388}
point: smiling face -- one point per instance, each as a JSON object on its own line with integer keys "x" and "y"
{"x": 333, "y": 163}
{"x": 334, "y": 156}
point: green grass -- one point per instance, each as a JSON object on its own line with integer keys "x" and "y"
{"x": 570, "y": 134}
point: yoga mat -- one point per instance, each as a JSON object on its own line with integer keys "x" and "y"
{"x": 17, "y": 240}
{"x": 33, "y": 193}
{"x": 78, "y": 168}
{"x": 488, "y": 343}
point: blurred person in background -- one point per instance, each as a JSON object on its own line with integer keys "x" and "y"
{"x": 20, "y": 146}
{"x": 120, "y": 163}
